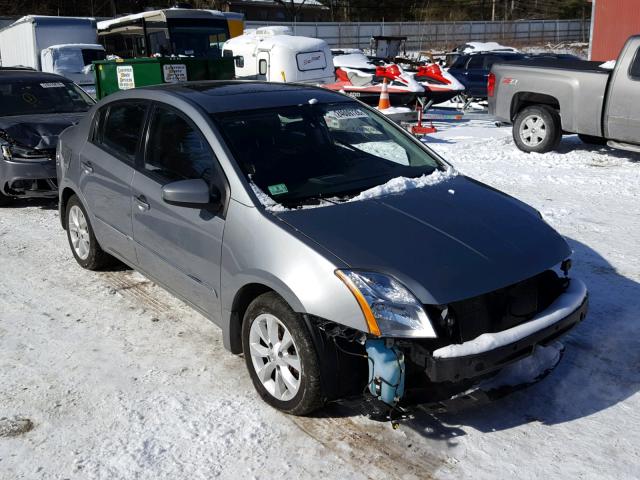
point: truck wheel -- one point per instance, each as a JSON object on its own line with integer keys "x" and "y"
{"x": 537, "y": 129}
{"x": 280, "y": 356}
{"x": 592, "y": 140}
{"x": 82, "y": 240}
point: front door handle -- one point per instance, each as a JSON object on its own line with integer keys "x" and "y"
{"x": 87, "y": 166}
{"x": 143, "y": 205}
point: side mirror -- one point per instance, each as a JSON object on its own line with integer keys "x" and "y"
{"x": 190, "y": 193}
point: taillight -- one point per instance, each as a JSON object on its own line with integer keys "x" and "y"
{"x": 491, "y": 85}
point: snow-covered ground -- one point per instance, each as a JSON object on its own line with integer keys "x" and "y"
{"x": 122, "y": 381}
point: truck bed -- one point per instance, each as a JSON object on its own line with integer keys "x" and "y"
{"x": 562, "y": 64}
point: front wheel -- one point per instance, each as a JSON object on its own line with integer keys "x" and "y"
{"x": 280, "y": 356}
{"x": 4, "y": 200}
{"x": 537, "y": 129}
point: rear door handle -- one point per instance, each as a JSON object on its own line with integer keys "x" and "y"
{"x": 143, "y": 205}
{"x": 87, "y": 166}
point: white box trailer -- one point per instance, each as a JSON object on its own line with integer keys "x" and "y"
{"x": 273, "y": 54}
{"x": 73, "y": 38}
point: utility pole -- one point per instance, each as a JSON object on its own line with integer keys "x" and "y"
{"x": 493, "y": 11}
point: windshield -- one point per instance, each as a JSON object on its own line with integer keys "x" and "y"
{"x": 73, "y": 60}
{"x": 198, "y": 38}
{"x": 331, "y": 151}
{"x": 35, "y": 97}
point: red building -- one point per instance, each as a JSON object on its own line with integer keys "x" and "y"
{"x": 612, "y": 22}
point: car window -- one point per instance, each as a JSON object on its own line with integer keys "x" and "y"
{"x": 475, "y": 62}
{"x": 176, "y": 150}
{"x": 122, "y": 128}
{"x": 298, "y": 153}
{"x": 634, "y": 70}
{"x": 489, "y": 60}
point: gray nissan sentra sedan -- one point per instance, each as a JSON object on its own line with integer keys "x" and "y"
{"x": 334, "y": 250}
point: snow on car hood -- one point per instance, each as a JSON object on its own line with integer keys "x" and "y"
{"x": 454, "y": 240}
{"x": 39, "y": 131}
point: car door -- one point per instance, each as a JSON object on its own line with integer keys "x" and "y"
{"x": 623, "y": 114}
{"x": 107, "y": 167}
{"x": 178, "y": 246}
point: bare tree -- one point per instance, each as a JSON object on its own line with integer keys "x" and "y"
{"x": 292, "y": 7}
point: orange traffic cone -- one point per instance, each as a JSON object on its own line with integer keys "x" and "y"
{"x": 384, "y": 102}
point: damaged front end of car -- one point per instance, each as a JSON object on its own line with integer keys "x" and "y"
{"x": 428, "y": 354}
{"x": 26, "y": 171}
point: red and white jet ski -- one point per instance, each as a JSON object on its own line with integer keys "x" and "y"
{"x": 358, "y": 76}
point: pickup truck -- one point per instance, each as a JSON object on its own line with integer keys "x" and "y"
{"x": 546, "y": 98}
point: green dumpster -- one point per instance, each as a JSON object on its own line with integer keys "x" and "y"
{"x": 115, "y": 75}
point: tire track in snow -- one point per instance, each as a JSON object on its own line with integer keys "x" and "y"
{"x": 379, "y": 451}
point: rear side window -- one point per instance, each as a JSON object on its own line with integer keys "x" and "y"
{"x": 634, "y": 69}
{"x": 121, "y": 129}
{"x": 475, "y": 62}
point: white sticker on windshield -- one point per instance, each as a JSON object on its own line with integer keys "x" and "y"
{"x": 52, "y": 85}
{"x": 347, "y": 113}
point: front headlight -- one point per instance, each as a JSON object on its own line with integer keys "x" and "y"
{"x": 22, "y": 154}
{"x": 389, "y": 308}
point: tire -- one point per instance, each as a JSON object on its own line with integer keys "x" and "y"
{"x": 592, "y": 140}
{"x": 87, "y": 251}
{"x": 4, "y": 200}
{"x": 291, "y": 380}
{"x": 537, "y": 129}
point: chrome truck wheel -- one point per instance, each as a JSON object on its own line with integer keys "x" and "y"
{"x": 537, "y": 129}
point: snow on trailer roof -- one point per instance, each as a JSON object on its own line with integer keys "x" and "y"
{"x": 269, "y": 37}
{"x": 168, "y": 13}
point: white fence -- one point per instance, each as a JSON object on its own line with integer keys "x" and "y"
{"x": 427, "y": 35}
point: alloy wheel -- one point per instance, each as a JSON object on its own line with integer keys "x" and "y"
{"x": 274, "y": 357}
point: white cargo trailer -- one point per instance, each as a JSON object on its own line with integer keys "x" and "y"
{"x": 273, "y": 54}
{"x": 62, "y": 45}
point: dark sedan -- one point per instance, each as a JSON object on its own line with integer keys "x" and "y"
{"x": 35, "y": 108}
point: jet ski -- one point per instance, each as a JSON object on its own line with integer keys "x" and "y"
{"x": 362, "y": 78}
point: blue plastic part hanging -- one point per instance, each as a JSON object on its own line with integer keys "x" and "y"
{"x": 386, "y": 371}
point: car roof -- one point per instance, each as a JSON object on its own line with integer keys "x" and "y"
{"x": 9, "y": 74}
{"x": 233, "y": 95}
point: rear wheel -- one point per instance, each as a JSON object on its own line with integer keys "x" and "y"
{"x": 82, "y": 240}
{"x": 592, "y": 140}
{"x": 537, "y": 129}
{"x": 280, "y": 356}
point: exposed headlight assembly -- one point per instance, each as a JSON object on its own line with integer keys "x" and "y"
{"x": 16, "y": 152}
{"x": 389, "y": 308}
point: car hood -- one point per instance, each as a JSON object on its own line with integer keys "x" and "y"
{"x": 446, "y": 242}
{"x": 40, "y": 131}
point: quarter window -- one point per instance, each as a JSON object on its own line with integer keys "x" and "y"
{"x": 122, "y": 129}
{"x": 176, "y": 150}
{"x": 634, "y": 70}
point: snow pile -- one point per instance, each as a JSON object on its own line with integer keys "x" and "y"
{"x": 395, "y": 185}
{"x": 472, "y": 47}
{"x": 357, "y": 60}
{"x": 610, "y": 65}
{"x": 568, "y": 302}
{"x": 394, "y": 110}
{"x": 402, "y": 184}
